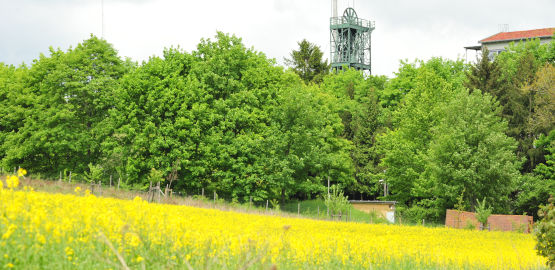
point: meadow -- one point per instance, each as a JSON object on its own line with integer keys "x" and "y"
{"x": 82, "y": 231}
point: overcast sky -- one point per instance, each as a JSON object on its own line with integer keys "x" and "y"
{"x": 405, "y": 29}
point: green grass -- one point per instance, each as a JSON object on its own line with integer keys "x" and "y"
{"x": 317, "y": 209}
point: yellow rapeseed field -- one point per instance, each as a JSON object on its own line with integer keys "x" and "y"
{"x": 83, "y": 231}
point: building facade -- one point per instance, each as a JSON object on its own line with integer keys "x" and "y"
{"x": 498, "y": 43}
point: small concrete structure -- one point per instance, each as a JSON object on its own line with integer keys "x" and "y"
{"x": 384, "y": 208}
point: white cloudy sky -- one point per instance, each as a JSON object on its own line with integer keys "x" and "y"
{"x": 405, "y": 29}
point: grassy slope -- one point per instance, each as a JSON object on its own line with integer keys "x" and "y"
{"x": 308, "y": 209}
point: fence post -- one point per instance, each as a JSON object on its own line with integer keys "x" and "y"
{"x": 110, "y": 180}
{"x": 298, "y": 209}
{"x": 119, "y": 178}
{"x": 69, "y": 177}
{"x": 250, "y": 201}
{"x": 60, "y": 179}
{"x": 266, "y": 205}
{"x": 158, "y": 191}
{"x": 99, "y": 187}
{"x": 149, "y": 193}
{"x": 202, "y": 192}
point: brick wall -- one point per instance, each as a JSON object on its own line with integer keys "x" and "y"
{"x": 461, "y": 219}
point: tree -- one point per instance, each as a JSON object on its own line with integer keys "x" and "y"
{"x": 469, "y": 151}
{"x": 445, "y": 140}
{"x": 307, "y": 62}
{"x": 14, "y": 102}
{"x": 359, "y": 111}
{"x": 545, "y": 233}
{"x": 519, "y": 65}
{"x": 72, "y": 92}
{"x": 237, "y": 123}
{"x": 542, "y": 92}
{"x": 484, "y": 75}
{"x": 304, "y": 147}
{"x": 404, "y": 146}
{"x": 482, "y": 212}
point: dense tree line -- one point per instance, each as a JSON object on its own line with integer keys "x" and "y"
{"x": 227, "y": 119}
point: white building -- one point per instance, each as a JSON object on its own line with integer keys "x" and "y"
{"x": 498, "y": 42}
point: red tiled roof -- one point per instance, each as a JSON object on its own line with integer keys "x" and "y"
{"x": 518, "y": 35}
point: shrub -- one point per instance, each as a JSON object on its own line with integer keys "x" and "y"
{"x": 336, "y": 202}
{"x": 469, "y": 225}
{"x": 545, "y": 232}
{"x": 483, "y": 212}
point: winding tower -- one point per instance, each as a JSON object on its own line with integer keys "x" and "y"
{"x": 350, "y": 39}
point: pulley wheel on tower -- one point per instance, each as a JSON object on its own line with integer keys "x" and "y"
{"x": 350, "y": 15}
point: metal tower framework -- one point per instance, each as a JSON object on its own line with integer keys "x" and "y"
{"x": 350, "y": 41}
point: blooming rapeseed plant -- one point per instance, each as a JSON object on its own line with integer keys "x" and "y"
{"x": 67, "y": 227}
{"x": 21, "y": 172}
{"x": 12, "y": 181}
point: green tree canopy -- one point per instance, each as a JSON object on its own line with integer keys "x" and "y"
{"x": 71, "y": 93}
{"x": 307, "y": 62}
{"x": 230, "y": 120}
{"x": 445, "y": 140}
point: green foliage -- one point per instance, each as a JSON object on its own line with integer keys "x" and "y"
{"x": 460, "y": 205}
{"x": 359, "y": 111}
{"x": 524, "y": 98}
{"x": 414, "y": 214}
{"x": 404, "y": 147}
{"x": 469, "y": 150}
{"x": 484, "y": 75}
{"x": 307, "y": 62}
{"x": 275, "y": 204}
{"x": 547, "y": 170}
{"x": 94, "y": 174}
{"x": 469, "y": 225}
{"x": 238, "y": 125}
{"x": 336, "y": 202}
{"x": 14, "y": 100}
{"x": 483, "y": 212}
{"x": 64, "y": 101}
{"x": 545, "y": 233}
{"x": 445, "y": 140}
{"x": 155, "y": 176}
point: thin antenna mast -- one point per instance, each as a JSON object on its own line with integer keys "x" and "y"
{"x": 102, "y": 11}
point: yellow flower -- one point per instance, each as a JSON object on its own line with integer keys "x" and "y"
{"x": 140, "y": 259}
{"x": 77, "y": 189}
{"x": 9, "y": 265}
{"x": 21, "y": 172}
{"x": 12, "y": 181}
{"x": 9, "y": 231}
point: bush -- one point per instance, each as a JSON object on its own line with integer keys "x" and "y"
{"x": 336, "y": 202}
{"x": 415, "y": 214}
{"x": 469, "y": 225}
{"x": 94, "y": 174}
{"x": 483, "y": 212}
{"x": 545, "y": 233}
